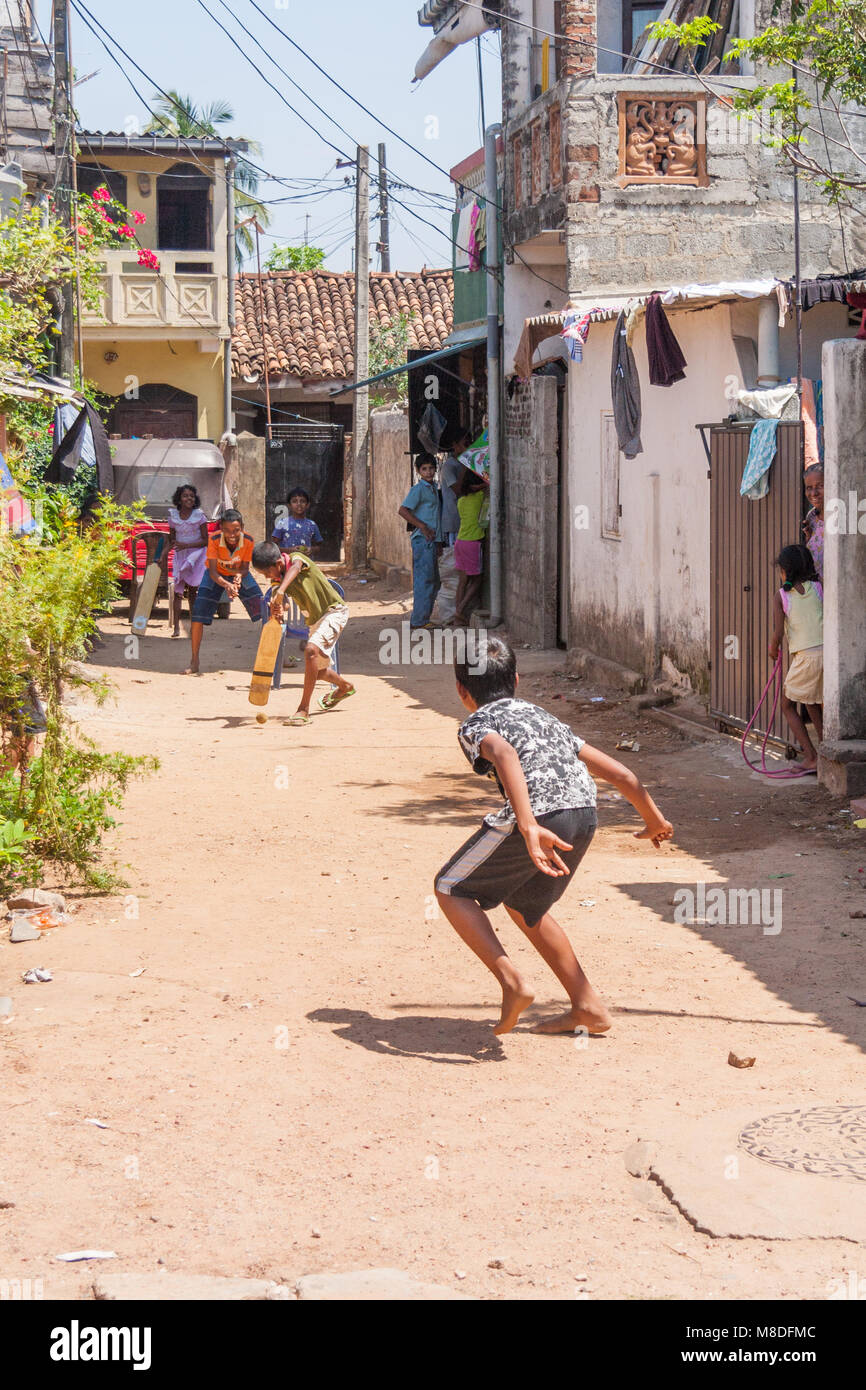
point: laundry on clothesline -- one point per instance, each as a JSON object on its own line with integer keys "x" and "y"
{"x": 575, "y": 331}
{"x": 666, "y": 360}
{"x": 755, "y": 482}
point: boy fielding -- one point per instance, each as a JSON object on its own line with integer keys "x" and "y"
{"x": 524, "y": 853}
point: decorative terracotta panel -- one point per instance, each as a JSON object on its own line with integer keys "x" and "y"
{"x": 555, "y": 145}
{"x": 662, "y": 139}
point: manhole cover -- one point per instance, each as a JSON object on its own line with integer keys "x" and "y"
{"x": 829, "y": 1141}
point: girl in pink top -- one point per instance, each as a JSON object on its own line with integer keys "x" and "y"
{"x": 188, "y": 538}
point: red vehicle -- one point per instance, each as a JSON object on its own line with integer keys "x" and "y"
{"x": 152, "y": 470}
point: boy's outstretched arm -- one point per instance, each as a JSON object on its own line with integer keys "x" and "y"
{"x": 633, "y": 789}
{"x": 541, "y": 843}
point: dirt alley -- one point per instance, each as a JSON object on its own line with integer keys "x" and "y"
{"x": 305, "y": 1078}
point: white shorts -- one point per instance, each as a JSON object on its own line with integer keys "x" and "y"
{"x": 325, "y": 634}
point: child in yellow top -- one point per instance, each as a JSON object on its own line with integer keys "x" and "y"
{"x": 468, "y": 557}
{"x": 798, "y": 615}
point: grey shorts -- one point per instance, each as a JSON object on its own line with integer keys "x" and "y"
{"x": 494, "y": 866}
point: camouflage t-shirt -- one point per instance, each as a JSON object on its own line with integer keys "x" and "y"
{"x": 556, "y": 778}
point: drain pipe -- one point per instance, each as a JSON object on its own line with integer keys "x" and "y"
{"x": 494, "y": 374}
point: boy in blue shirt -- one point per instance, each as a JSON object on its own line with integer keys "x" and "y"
{"x": 297, "y": 531}
{"x": 422, "y": 509}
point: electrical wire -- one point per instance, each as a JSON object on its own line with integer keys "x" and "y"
{"x": 82, "y": 12}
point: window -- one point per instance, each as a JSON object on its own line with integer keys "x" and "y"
{"x": 636, "y": 15}
{"x": 184, "y": 209}
{"x": 611, "y": 507}
{"x": 93, "y": 176}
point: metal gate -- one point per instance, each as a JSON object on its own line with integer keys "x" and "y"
{"x": 311, "y": 457}
{"x": 745, "y": 538}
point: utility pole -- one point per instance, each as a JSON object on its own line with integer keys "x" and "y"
{"x": 64, "y": 145}
{"x": 361, "y": 397}
{"x": 262, "y": 328}
{"x": 384, "y": 217}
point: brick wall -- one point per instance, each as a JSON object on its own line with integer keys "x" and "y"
{"x": 578, "y": 19}
{"x": 531, "y": 496}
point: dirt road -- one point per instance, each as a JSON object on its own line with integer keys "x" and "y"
{"x": 304, "y": 1077}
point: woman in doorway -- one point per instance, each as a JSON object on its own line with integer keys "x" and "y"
{"x": 813, "y": 526}
{"x": 188, "y": 538}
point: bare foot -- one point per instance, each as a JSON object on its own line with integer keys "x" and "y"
{"x": 514, "y": 1000}
{"x": 191, "y": 671}
{"x": 594, "y": 1020}
{"x": 176, "y": 632}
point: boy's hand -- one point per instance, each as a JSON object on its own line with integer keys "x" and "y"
{"x": 542, "y": 845}
{"x": 427, "y": 533}
{"x": 277, "y": 606}
{"x": 773, "y": 650}
{"x": 656, "y": 830}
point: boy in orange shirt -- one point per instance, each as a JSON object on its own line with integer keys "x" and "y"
{"x": 229, "y": 552}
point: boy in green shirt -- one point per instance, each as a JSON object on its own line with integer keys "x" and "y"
{"x": 325, "y": 613}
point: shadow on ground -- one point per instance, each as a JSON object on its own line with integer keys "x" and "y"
{"x": 454, "y": 1041}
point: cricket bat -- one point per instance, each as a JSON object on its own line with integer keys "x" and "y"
{"x": 149, "y": 586}
{"x": 266, "y": 657}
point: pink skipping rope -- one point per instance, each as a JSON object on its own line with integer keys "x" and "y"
{"x": 775, "y": 675}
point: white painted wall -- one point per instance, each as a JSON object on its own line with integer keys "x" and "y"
{"x": 615, "y": 579}
{"x": 528, "y": 293}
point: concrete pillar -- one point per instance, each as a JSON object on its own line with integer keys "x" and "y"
{"x": 251, "y": 484}
{"x": 842, "y": 755}
{"x": 769, "y": 371}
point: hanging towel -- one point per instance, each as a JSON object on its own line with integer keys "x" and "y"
{"x": 762, "y": 451}
{"x": 625, "y": 392}
{"x": 474, "y": 248}
{"x": 665, "y": 355}
{"x": 575, "y": 331}
{"x": 809, "y": 416}
{"x": 769, "y": 401}
{"x": 70, "y": 451}
{"x": 430, "y": 428}
{"x": 464, "y": 231}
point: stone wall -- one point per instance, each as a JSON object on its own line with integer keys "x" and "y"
{"x": 390, "y": 480}
{"x": 562, "y": 170}
{"x": 531, "y": 495}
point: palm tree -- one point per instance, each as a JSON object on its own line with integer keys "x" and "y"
{"x": 175, "y": 114}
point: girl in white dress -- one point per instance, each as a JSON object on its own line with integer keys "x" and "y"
{"x": 188, "y": 538}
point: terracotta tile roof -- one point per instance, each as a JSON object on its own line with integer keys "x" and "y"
{"x": 309, "y": 319}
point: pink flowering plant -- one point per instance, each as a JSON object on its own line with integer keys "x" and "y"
{"x": 105, "y": 224}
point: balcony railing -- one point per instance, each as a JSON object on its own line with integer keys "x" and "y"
{"x": 180, "y": 295}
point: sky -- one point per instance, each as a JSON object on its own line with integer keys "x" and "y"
{"x": 369, "y": 48}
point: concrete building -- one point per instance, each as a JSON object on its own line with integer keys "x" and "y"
{"x": 618, "y": 185}
{"x": 160, "y": 341}
{"x": 27, "y": 94}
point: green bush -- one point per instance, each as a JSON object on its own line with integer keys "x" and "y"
{"x": 51, "y": 590}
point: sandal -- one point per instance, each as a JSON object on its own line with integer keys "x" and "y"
{"x": 295, "y": 721}
{"x": 334, "y": 698}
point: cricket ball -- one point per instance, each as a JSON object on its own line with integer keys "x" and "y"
{"x": 261, "y": 719}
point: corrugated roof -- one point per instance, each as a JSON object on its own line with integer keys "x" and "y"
{"x": 117, "y": 141}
